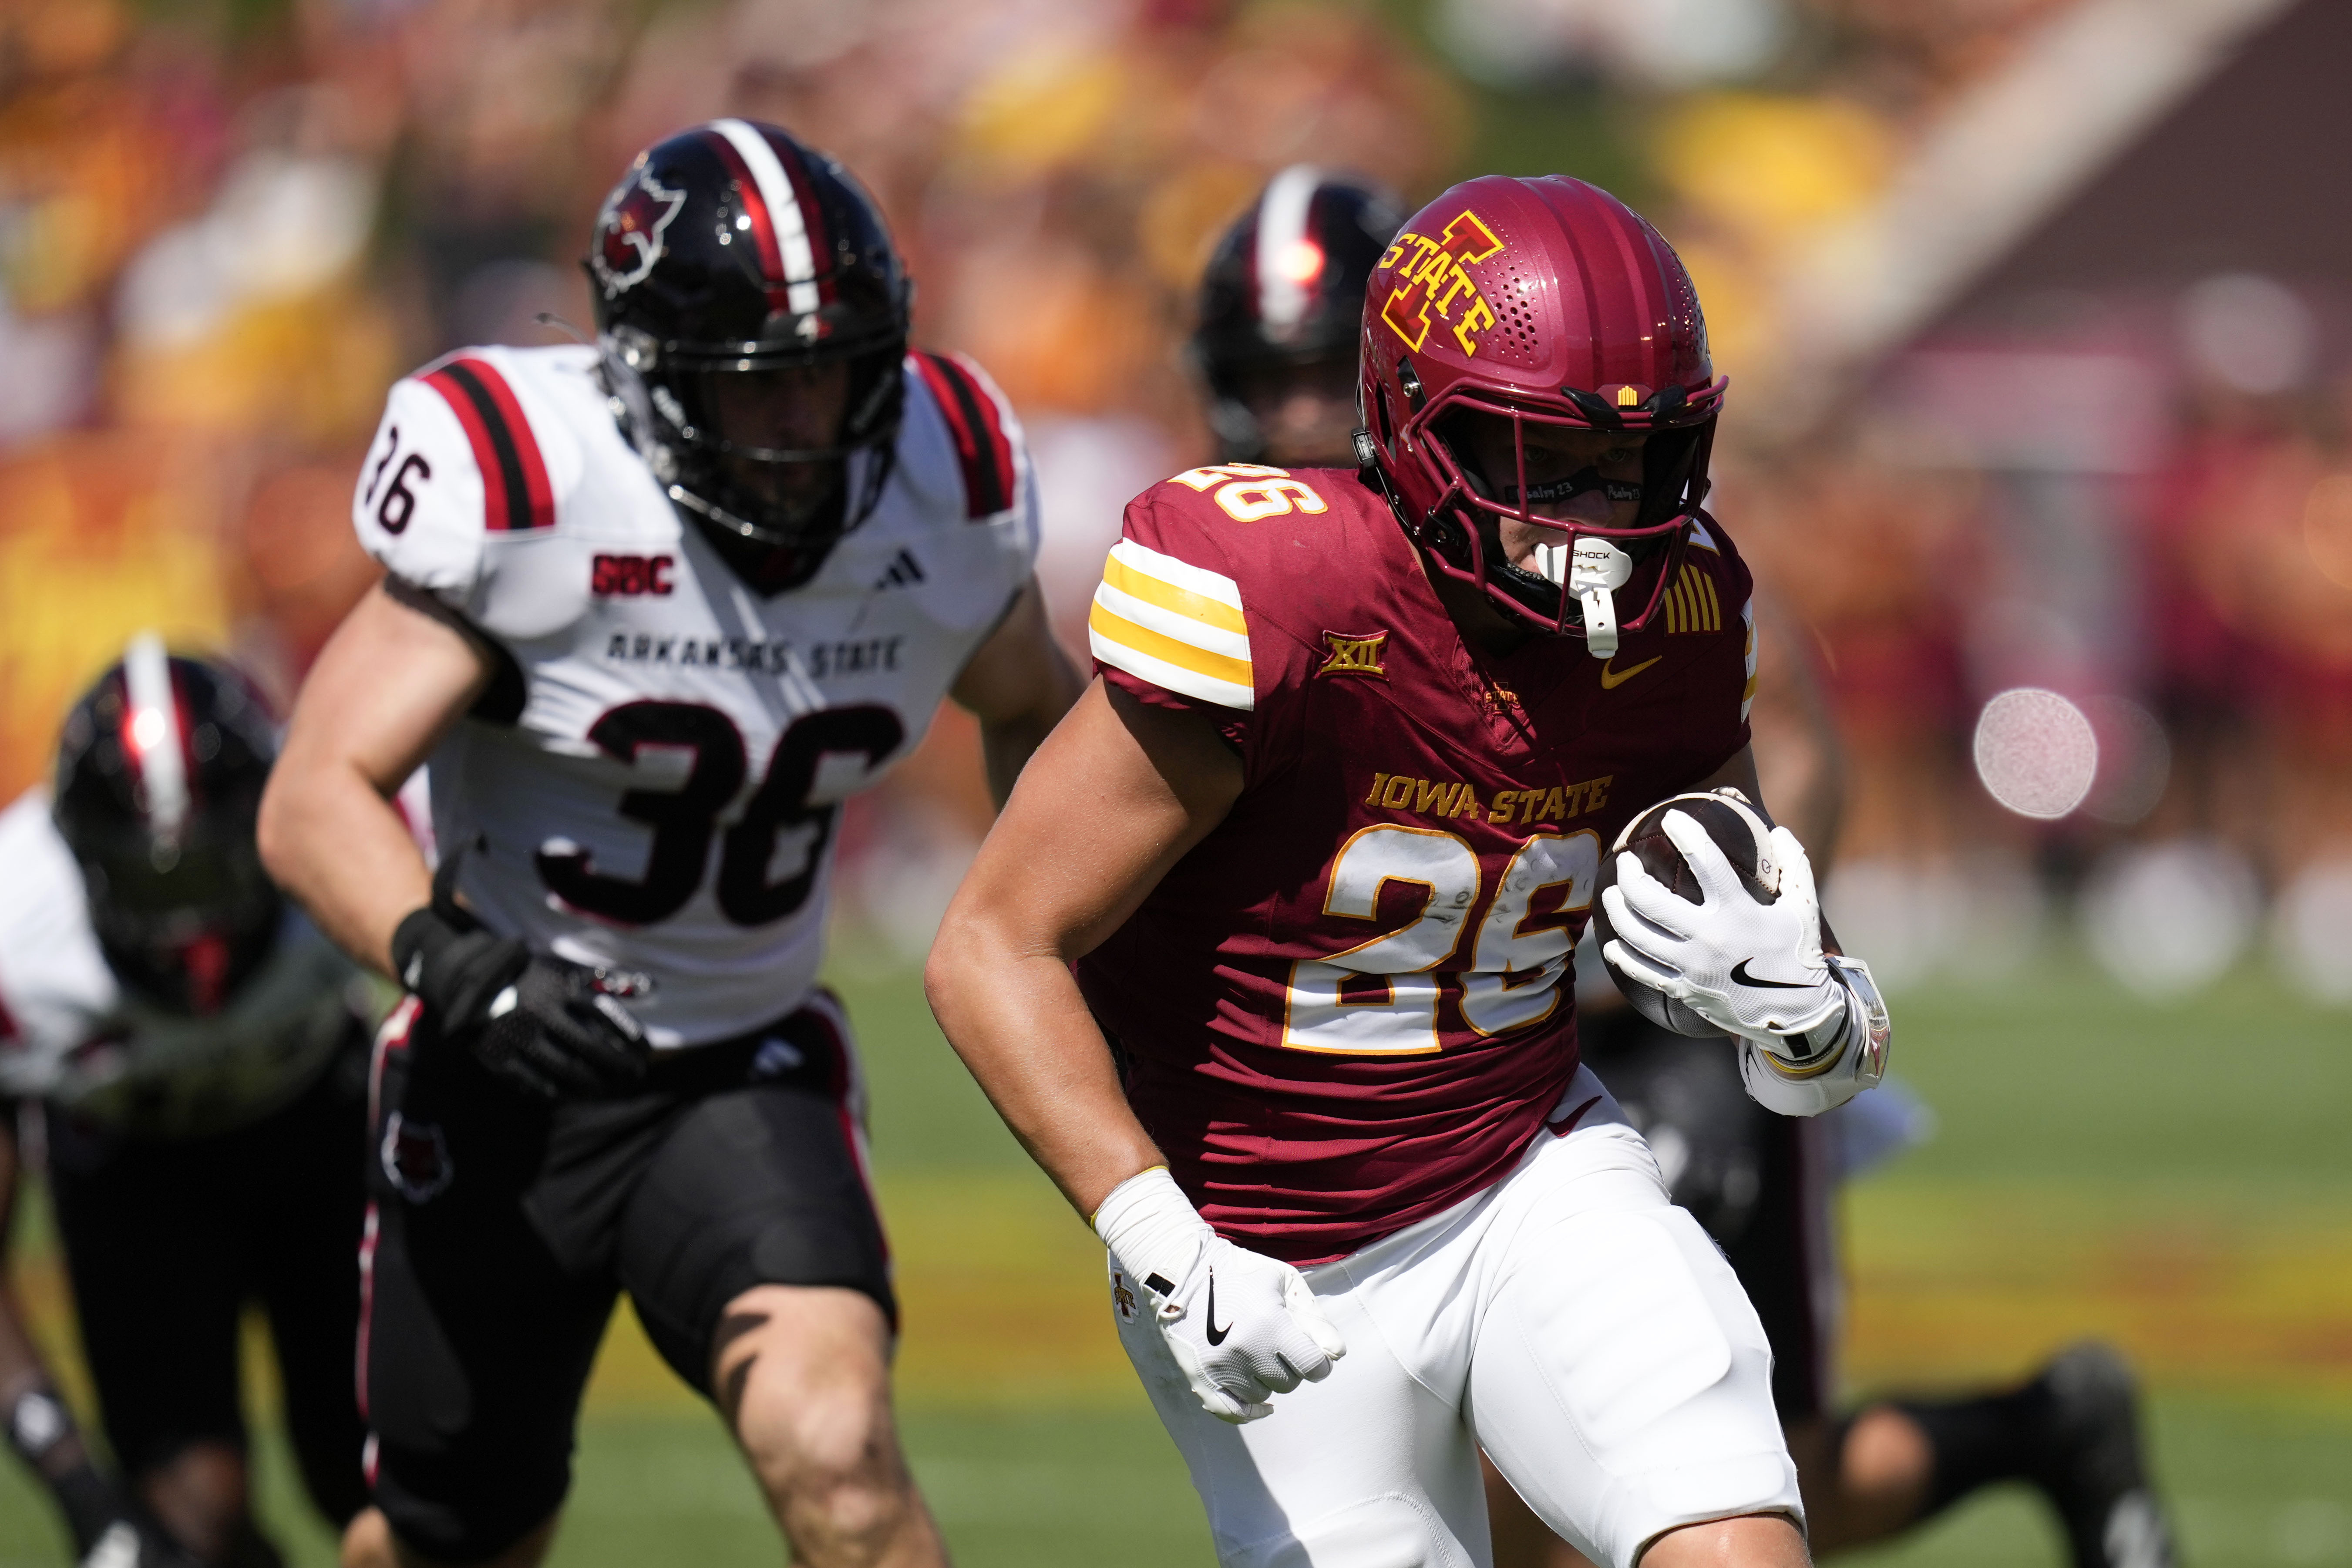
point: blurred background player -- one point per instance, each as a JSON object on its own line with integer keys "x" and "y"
{"x": 655, "y": 606}
{"x": 191, "y": 1052}
{"x": 1279, "y": 316}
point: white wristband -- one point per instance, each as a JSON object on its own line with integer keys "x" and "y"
{"x": 1152, "y": 1228}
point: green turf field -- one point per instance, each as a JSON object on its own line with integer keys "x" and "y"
{"x": 2175, "y": 1179}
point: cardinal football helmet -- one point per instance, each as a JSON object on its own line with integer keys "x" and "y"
{"x": 1284, "y": 288}
{"x": 731, "y": 256}
{"x": 1541, "y": 301}
{"x": 159, "y": 778}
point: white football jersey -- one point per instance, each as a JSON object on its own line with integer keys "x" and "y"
{"x": 653, "y": 780}
{"x": 69, "y": 1032}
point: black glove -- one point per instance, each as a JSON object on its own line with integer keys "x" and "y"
{"x": 547, "y": 1026}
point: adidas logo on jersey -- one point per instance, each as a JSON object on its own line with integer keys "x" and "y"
{"x": 905, "y": 572}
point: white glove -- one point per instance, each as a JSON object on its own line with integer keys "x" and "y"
{"x": 1242, "y": 1326}
{"x": 1752, "y": 968}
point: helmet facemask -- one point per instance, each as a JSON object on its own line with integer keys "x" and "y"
{"x": 181, "y": 925}
{"x": 784, "y": 452}
{"x": 1600, "y": 578}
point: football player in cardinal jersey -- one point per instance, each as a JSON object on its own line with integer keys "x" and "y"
{"x": 1320, "y": 842}
{"x": 1280, "y": 309}
{"x": 195, "y": 1053}
{"x": 653, "y": 609}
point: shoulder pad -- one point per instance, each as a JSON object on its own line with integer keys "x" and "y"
{"x": 516, "y": 495}
{"x": 1165, "y": 613}
{"x": 989, "y": 452}
{"x": 460, "y": 472}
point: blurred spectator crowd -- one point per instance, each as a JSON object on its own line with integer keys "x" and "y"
{"x": 226, "y": 225}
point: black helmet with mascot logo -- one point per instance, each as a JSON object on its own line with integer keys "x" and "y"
{"x": 733, "y": 264}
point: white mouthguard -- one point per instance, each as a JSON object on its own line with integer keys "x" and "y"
{"x": 1591, "y": 569}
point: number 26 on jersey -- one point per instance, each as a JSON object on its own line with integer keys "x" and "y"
{"x": 1381, "y": 997}
{"x": 1250, "y": 492}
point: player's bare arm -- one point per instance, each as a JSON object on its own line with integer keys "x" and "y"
{"x": 389, "y": 682}
{"x": 1122, "y": 790}
{"x": 396, "y": 675}
{"x": 1018, "y": 684}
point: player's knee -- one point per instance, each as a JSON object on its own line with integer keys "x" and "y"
{"x": 814, "y": 1440}
{"x": 833, "y": 1475}
{"x": 1750, "y": 1541}
{"x": 367, "y": 1542}
{"x": 803, "y": 1377}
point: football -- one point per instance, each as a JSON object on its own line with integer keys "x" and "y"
{"x": 1743, "y": 836}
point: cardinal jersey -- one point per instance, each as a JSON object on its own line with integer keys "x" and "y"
{"x": 1343, "y": 1010}
{"x": 69, "y": 1033}
{"x": 652, "y": 782}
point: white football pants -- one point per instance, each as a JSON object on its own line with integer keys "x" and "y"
{"x": 1569, "y": 1319}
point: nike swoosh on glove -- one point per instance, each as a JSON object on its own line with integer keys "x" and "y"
{"x": 1243, "y": 1327}
{"x": 540, "y": 1023}
{"x": 1749, "y": 968}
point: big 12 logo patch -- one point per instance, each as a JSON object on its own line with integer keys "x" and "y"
{"x": 1430, "y": 281}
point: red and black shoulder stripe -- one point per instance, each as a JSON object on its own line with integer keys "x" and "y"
{"x": 982, "y": 448}
{"x": 516, "y": 495}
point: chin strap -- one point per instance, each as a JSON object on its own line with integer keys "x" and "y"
{"x": 1593, "y": 570}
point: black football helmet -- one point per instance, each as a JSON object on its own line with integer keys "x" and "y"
{"x": 159, "y": 780}
{"x": 741, "y": 276}
{"x": 1284, "y": 288}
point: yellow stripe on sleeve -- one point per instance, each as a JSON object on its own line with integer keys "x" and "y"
{"x": 1126, "y": 633}
{"x": 1178, "y": 626}
{"x": 1168, "y": 597}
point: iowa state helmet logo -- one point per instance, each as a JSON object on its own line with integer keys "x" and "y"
{"x": 1431, "y": 282}
{"x": 629, "y": 231}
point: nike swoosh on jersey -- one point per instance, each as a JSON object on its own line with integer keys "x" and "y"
{"x": 1740, "y": 976}
{"x": 1610, "y": 679}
